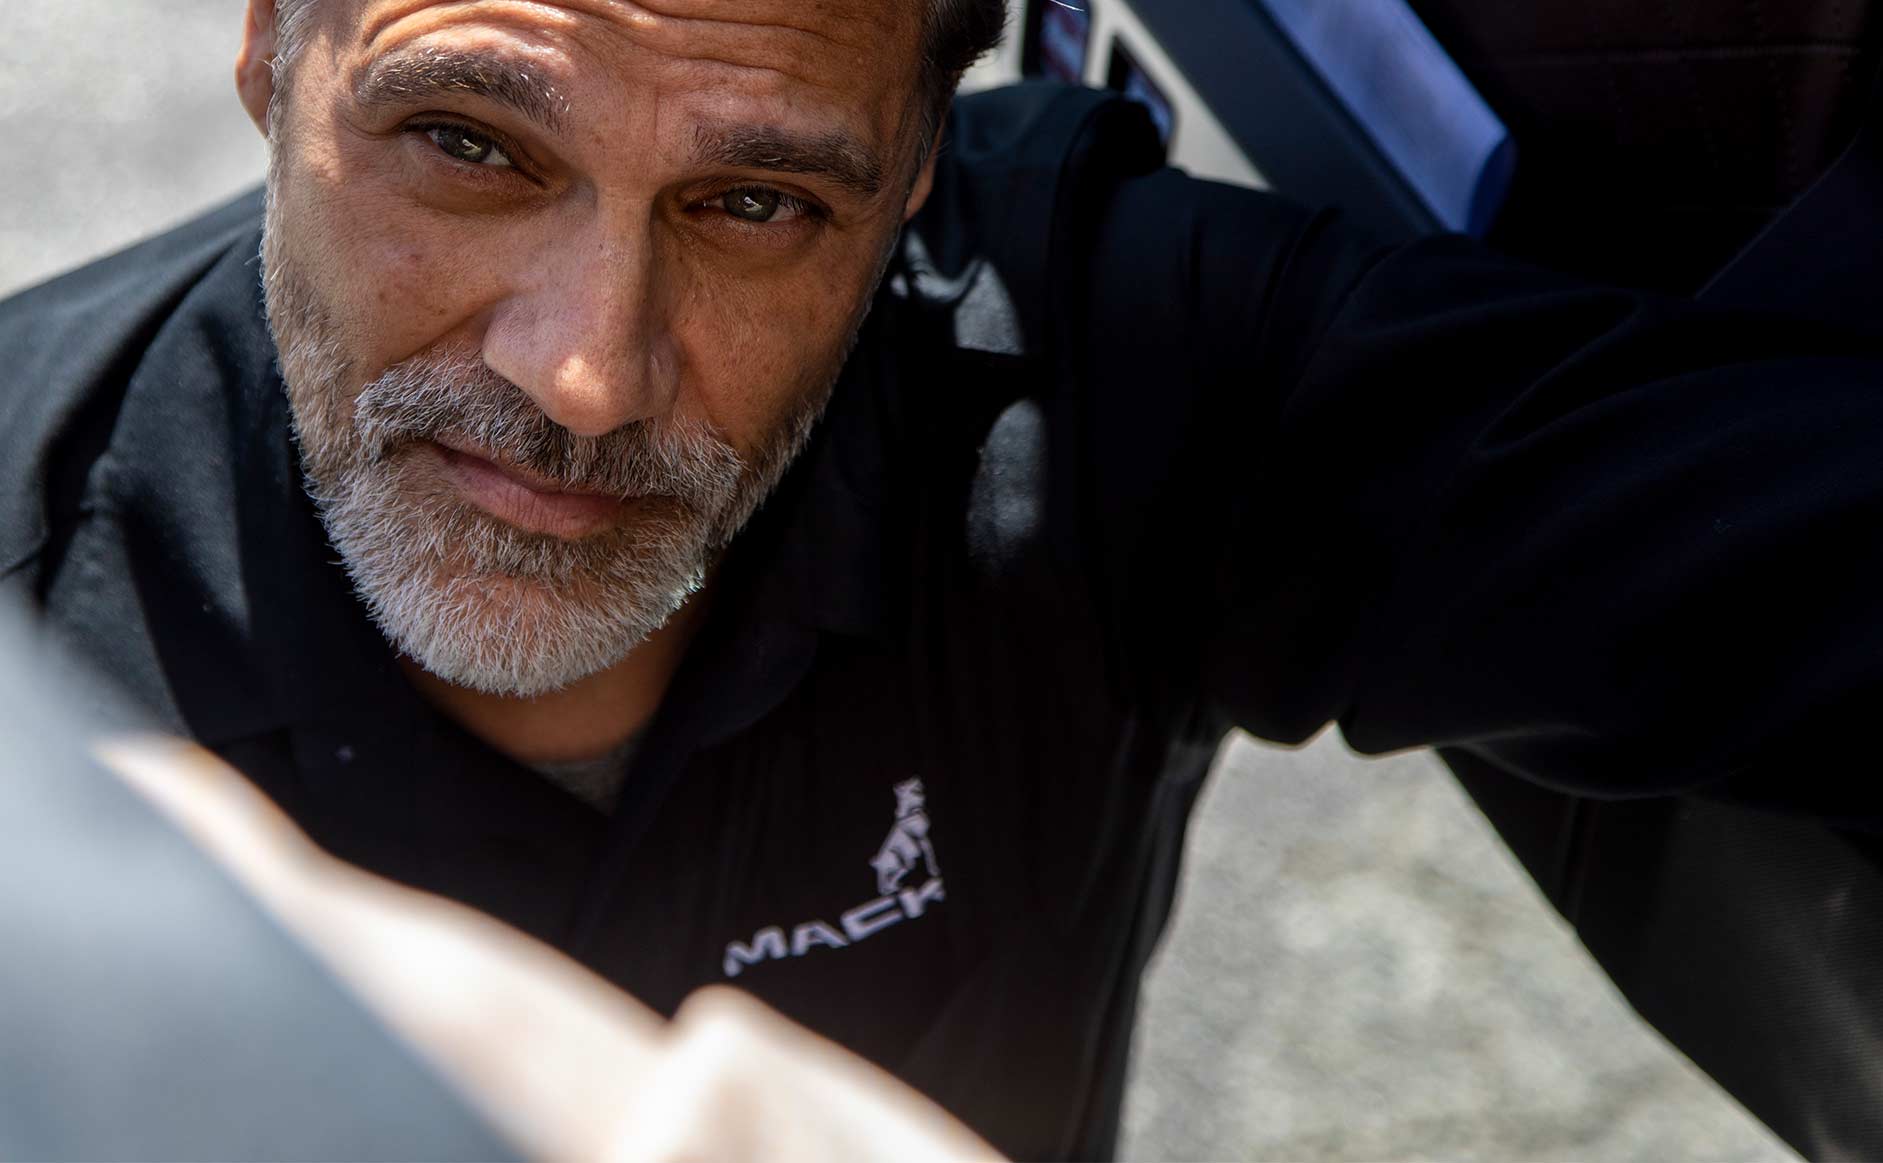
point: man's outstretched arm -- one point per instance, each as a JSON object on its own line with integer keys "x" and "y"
{"x": 1622, "y": 544}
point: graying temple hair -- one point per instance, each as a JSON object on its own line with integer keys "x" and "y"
{"x": 293, "y": 18}
{"x": 959, "y": 33}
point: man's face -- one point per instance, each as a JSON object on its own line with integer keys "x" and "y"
{"x": 559, "y": 288}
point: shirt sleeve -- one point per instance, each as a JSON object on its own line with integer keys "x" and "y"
{"x": 1620, "y": 544}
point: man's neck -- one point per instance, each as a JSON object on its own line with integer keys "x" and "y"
{"x": 585, "y": 721}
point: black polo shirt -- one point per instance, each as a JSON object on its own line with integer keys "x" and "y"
{"x": 1121, "y": 460}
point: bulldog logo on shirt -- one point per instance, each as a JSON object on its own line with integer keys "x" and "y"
{"x": 908, "y": 840}
{"x": 906, "y": 849}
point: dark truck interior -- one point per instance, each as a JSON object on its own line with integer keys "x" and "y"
{"x": 1732, "y": 148}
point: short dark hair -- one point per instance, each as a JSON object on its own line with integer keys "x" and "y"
{"x": 958, "y": 33}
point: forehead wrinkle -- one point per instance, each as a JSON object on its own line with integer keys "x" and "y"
{"x": 803, "y": 55}
{"x": 734, "y": 44}
{"x": 741, "y": 11}
{"x": 867, "y": 22}
{"x": 738, "y": 40}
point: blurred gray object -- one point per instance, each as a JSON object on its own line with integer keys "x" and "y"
{"x": 148, "y": 1008}
{"x": 1358, "y": 970}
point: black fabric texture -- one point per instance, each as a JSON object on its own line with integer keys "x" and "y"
{"x": 1657, "y": 139}
{"x": 1121, "y": 460}
{"x": 1749, "y": 939}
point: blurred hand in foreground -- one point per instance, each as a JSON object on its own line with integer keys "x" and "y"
{"x": 564, "y": 1064}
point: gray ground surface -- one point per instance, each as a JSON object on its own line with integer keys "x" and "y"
{"x": 1358, "y": 970}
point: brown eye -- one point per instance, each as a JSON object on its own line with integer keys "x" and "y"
{"x": 467, "y": 147}
{"x": 753, "y": 205}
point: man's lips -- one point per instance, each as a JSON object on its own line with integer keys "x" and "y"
{"x": 520, "y": 498}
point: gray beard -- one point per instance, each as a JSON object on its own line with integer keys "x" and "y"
{"x": 477, "y": 602}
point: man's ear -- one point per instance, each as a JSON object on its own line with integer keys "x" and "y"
{"x": 255, "y": 63}
{"x": 924, "y": 182}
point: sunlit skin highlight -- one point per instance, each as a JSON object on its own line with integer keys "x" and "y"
{"x": 595, "y": 258}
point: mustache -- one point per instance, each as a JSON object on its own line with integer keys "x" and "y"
{"x": 453, "y": 395}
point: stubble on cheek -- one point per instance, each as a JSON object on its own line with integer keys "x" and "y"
{"x": 312, "y": 354}
{"x": 470, "y": 598}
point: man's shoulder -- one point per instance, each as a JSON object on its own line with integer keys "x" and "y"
{"x": 130, "y": 283}
{"x": 1019, "y": 171}
{"x": 66, "y": 346}
{"x": 1034, "y": 121}
{"x": 1013, "y": 157}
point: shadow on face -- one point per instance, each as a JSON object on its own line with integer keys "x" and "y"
{"x": 661, "y": 222}
{"x": 630, "y": 212}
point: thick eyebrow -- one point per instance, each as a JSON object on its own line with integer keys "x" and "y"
{"x": 835, "y": 155}
{"x": 403, "y": 78}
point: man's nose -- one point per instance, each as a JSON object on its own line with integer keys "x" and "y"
{"x": 585, "y": 335}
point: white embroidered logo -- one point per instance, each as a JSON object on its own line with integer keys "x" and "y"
{"x": 906, "y": 849}
{"x": 907, "y": 840}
